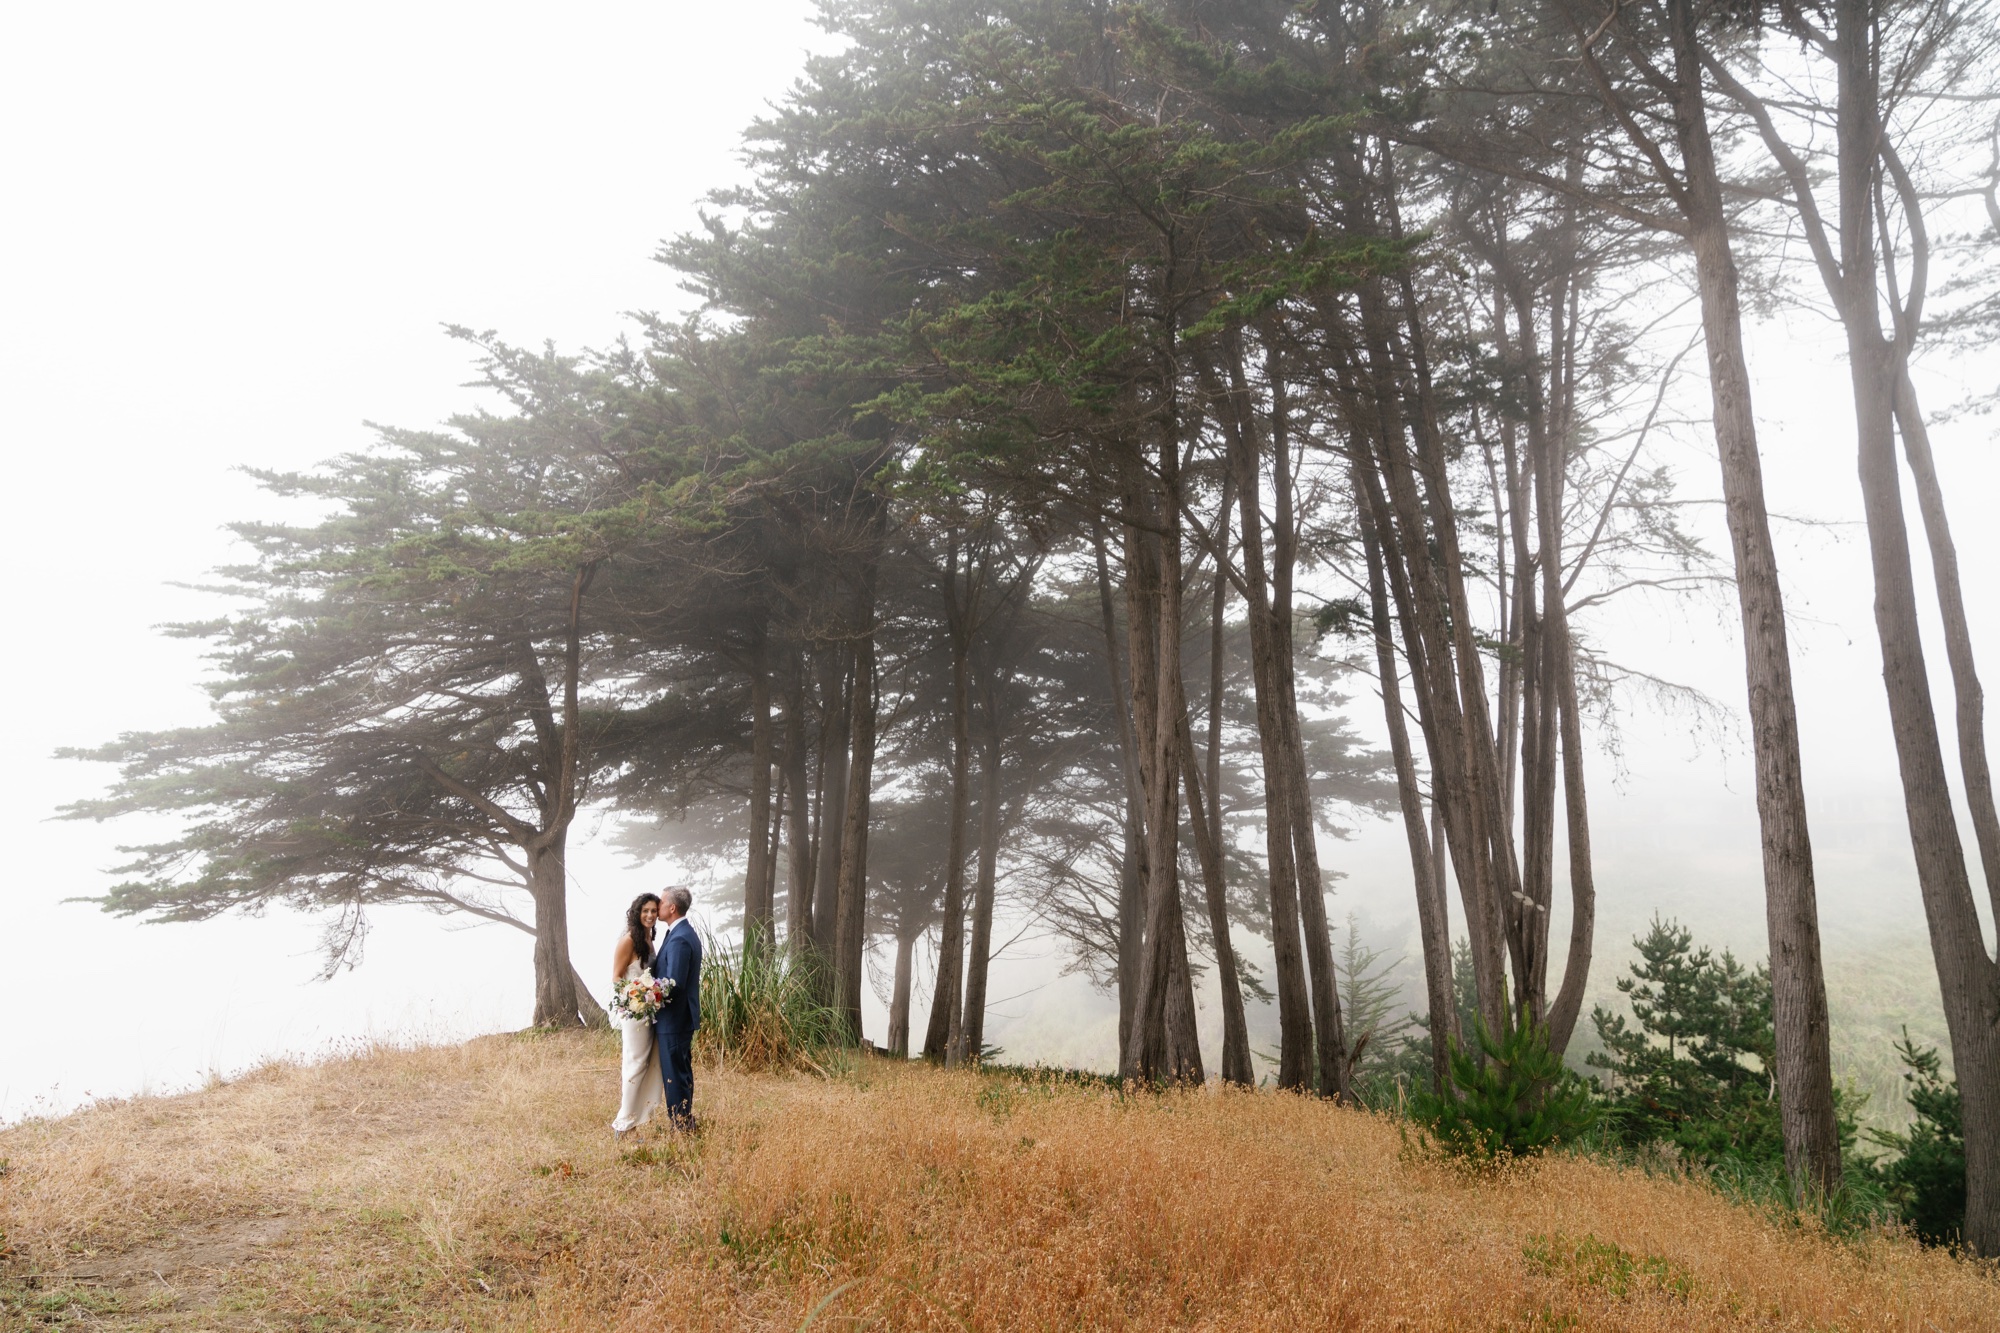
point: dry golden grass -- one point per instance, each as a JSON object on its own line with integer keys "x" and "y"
{"x": 478, "y": 1187}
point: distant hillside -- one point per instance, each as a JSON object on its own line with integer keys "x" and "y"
{"x": 478, "y": 1187}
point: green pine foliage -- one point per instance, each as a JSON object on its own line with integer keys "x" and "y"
{"x": 1693, "y": 1067}
{"x": 1386, "y": 1081}
{"x": 1395, "y": 1058}
{"x": 1370, "y": 997}
{"x": 1514, "y": 1099}
{"x": 1925, "y": 1180}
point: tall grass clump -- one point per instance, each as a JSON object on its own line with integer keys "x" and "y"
{"x": 760, "y": 1010}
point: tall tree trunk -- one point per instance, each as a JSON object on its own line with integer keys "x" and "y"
{"x": 1798, "y": 984}
{"x": 781, "y": 777}
{"x": 1164, "y": 1047}
{"x": 798, "y": 836}
{"x": 1982, "y": 1229}
{"x": 1330, "y": 1041}
{"x": 1146, "y": 1051}
{"x": 555, "y": 978}
{"x": 1131, "y": 922}
{"x": 559, "y": 744}
{"x": 945, "y": 1000}
{"x": 1416, "y": 528}
{"x": 1217, "y": 646}
{"x": 1560, "y": 652}
{"x": 1567, "y": 1006}
{"x": 1969, "y": 696}
{"x": 1132, "y": 857}
{"x": 1295, "y": 1028}
{"x": 1967, "y": 976}
{"x": 1433, "y": 925}
{"x": 1208, "y": 851}
{"x": 899, "y": 999}
{"x": 757, "y": 915}
{"x": 1429, "y": 588}
{"x": 851, "y": 888}
{"x": 1968, "y": 979}
{"x": 1561, "y": 721}
{"x": 1544, "y": 660}
{"x": 1236, "y": 1063}
{"x": 835, "y": 735}
{"x": 971, "y": 1038}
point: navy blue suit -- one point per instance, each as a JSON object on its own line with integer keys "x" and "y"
{"x": 673, "y": 1029}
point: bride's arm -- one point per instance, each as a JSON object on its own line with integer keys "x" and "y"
{"x": 621, "y": 958}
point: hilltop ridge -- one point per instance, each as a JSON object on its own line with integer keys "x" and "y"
{"x": 478, "y": 1187}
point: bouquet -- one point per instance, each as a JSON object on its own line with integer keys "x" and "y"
{"x": 642, "y": 997}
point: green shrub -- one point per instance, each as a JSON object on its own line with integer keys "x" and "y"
{"x": 1515, "y": 1101}
{"x": 1694, "y": 1067}
{"x": 1926, "y": 1178}
{"x": 761, "y": 1009}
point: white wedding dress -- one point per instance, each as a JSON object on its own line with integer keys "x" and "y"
{"x": 644, "y": 1090}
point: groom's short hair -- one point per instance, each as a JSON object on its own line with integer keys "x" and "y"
{"x": 682, "y": 899}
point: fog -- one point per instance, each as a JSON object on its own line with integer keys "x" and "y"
{"x": 232, "y": 237}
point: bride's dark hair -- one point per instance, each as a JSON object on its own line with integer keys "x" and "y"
{"x": 642, "y": 940}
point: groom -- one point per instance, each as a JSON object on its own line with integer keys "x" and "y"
{"x": 673, "y": 1029}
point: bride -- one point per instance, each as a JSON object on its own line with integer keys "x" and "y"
{"x": 645, "y": 1092}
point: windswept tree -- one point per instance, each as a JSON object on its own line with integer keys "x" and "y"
{"x": 401, "y": 709}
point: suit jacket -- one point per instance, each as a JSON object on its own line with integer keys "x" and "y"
{"x": 680, "y": 959}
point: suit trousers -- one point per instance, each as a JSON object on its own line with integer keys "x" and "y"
{"x": 677, "y": 1070}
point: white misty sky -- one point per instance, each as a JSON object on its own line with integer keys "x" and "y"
{"x": 231, "y": 235}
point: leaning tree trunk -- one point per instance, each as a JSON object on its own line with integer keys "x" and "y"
{"x": 1413, "y": 552}
{"x": 1208, "y": 851}
{"x": 1433, "y": 924}
{"x": 1982, "y": 1005}
{"x": 1330, "y": 1040}
{"x": 1966, "y": 974}
{"x": 588, "y": 1008}
{"x": 1968, "y": 694}
{"x": 1567, "y": 1006}
{"x": 1798, "y": 983}
{"x": 1967, "y": 977}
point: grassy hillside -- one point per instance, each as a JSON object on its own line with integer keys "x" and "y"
{"x": 478, "y": 1187}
